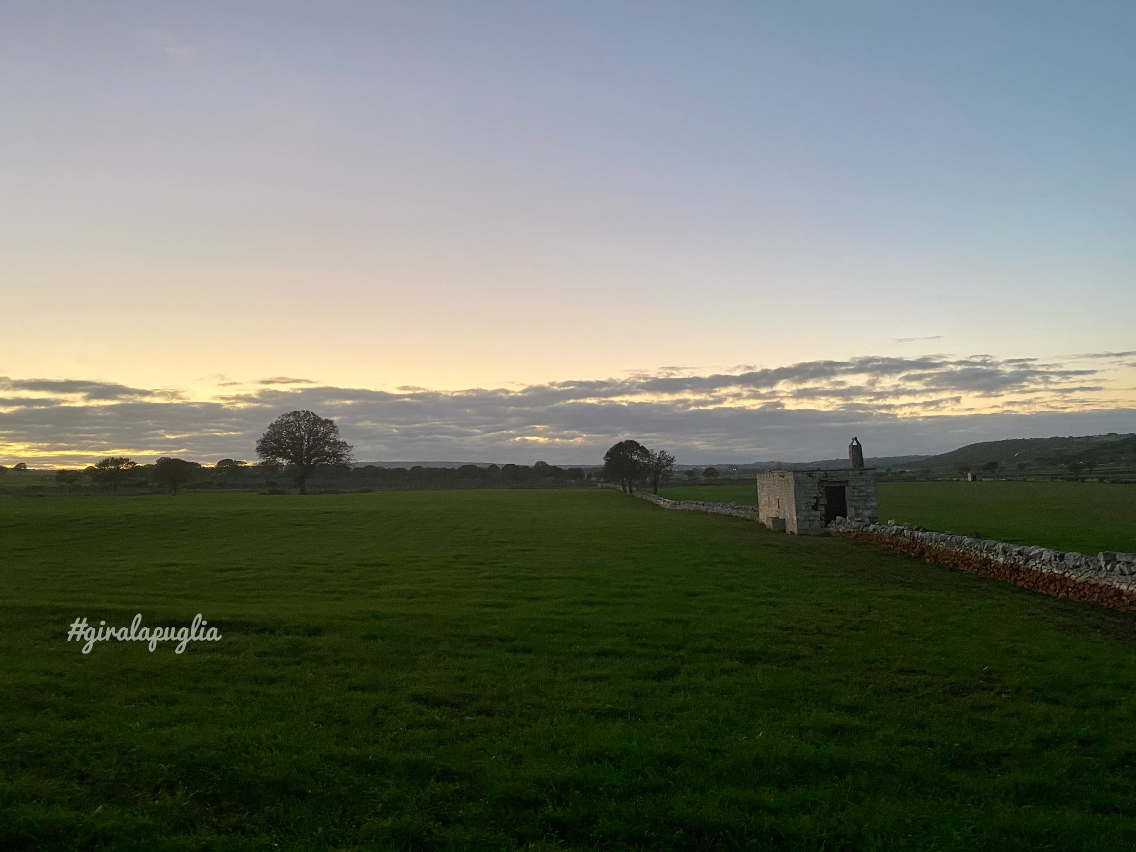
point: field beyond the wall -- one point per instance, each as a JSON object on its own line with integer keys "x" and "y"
{"x": 1087, "y": 517}
{"x": 561, "y": 669}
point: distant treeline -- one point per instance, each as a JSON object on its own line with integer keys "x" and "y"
{"x": 122, "y": 475}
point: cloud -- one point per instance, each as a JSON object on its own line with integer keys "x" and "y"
{"x": 283, "y": 380}
{"x": 53, "y": 391}
{"x": 916, "y": 339}
{"x": 794, "y": 413}
{"x": 1104, "y": 356}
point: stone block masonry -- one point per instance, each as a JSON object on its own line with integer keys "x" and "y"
{"x": 804, "y": 502}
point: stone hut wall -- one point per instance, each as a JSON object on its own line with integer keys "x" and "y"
{"x": 775, "y": 500}
{"x": 860, "y": 496}
{"x": 798, "y": 496}
{"x": 810, "y": 502}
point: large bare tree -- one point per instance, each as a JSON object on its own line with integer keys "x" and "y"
{"x": 304, "y": 440}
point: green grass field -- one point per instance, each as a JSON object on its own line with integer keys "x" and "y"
{"x": 746, "y": 493}
{"x": 540, "y": 670}
{"x": 1084, "y": 516}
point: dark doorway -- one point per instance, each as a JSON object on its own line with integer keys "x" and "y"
{"x": 835, "y": 503}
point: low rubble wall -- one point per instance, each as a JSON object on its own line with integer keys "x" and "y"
{"x": 1108, "y": 579}
{"x": 736, "y": 509}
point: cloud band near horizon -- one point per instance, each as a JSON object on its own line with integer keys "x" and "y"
{"x": 803, "y": 411}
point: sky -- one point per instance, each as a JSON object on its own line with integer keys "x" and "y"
{"x": 520, "y": 231}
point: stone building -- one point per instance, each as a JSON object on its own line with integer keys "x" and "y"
{"x": 805, "y": 502}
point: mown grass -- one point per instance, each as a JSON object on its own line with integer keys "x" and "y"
{"x": 740, "y": 493}
{"x": 540, "y": 670}
{"x": 1084, "y": 516}
{"x": 31, "y": 480}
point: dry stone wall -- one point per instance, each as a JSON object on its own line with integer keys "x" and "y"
{"x": 1109, "y": 578}
{"x": 735, "y": 509}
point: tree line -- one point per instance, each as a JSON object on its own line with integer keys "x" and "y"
{"x": 294, "y": 448}
{"x": 300, "y": 444}
{"x": 116, "y": 473}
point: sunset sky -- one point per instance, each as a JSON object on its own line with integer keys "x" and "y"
{"x": 509, "y": 231}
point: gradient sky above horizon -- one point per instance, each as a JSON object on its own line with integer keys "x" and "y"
{"x": 455, "y": 195}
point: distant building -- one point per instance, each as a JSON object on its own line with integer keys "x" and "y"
{"x": 805, "y": 502}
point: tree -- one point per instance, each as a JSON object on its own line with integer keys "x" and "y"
{"x": 990, "y": 466}
{"x": 111, "y": 471}
{"x": 20, "y": 467}
{"x": 625, "y": 462}
{"x": 710, "y": 473}
{"x": 690, "y": 473}
{"x": 304, "y": 440}
{"x": 174, "y": 473}
{"x": 660, "y": 466}
{"x": 69, "y": 479}
{"x": 230, "y": 469}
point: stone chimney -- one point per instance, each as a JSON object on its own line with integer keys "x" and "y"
{"x": 855, "y": 454}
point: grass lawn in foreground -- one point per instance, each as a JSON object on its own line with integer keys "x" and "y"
{"x": 1084, "y": 516}
{"x": 540, "y": 670}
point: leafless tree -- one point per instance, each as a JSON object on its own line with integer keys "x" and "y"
{"x": 304, "y": 440}
{"x": 660, "y": 466}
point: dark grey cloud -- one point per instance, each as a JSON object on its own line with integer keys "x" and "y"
{"x": 86, "y": 390}
{"x": 797, "y": 412}
{"x": 898, "y": 376}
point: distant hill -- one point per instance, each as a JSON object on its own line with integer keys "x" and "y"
{"x": 881, "y": 462}
{"x": 1092, "y": 450}
{"x": 1051, "y": 456}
